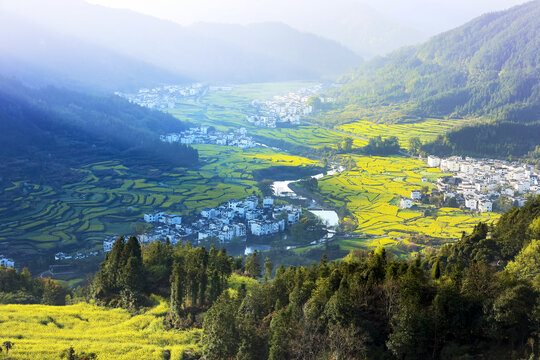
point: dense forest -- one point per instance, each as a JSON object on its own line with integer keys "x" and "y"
{"x": 498, "y": 139}
{"x": 476, "y": 298}
{"x": 51, "y": 130}
{"x": 487, "y": 68}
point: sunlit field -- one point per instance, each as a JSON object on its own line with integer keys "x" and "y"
{"x": 372, "y": 192}
{"x": 43, "y": 332}
{"x": 111, "y": 197}
{"x": 425, "y": 130}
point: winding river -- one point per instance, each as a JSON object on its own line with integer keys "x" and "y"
{"x": 328, "y": 217}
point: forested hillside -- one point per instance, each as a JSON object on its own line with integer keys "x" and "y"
{"x": 46, "y": 131}
{"x": 475, "y": 299}
{"x": 489, "y": 68}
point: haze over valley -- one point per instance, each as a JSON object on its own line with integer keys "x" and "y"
{"x": 269, "y": 180}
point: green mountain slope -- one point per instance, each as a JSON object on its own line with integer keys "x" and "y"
{"x": 45, "y": 132}
{"x": 490, "y": 66}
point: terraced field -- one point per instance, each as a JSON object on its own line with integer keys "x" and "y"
{"x": 111, "y": 198}
{"x": 426, "y": 130}
{"x": 372, "y": 191}
{"x": 44, "y": 332}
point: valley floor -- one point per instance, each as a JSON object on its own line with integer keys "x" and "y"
{"x": 111, "y": 198}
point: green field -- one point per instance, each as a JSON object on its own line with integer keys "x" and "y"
{"x": 44, "y": 332}
{"x": 226, "y": 110}
{"x": 111, "y": 197}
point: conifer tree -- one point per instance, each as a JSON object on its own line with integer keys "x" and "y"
{"x": 253, "y": 265}
{"x": 268, "y": 267}
{"x": 177, "y": 290}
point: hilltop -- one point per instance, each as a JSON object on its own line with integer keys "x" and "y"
{"x": 64, "y": 35}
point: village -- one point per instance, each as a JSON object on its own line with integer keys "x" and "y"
{"x": 478, "y": 184}
{"x": 208, "y": 135}
{"x": 229, "y": 222}
{"x": 285, "y": 109}
{"x": 163, "y": 97}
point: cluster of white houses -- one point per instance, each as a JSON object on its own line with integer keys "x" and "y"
{"x": 205, "y": 135}
{"x": 283, "y": 109}
{"x": 233, "y": 220}
{"x": 163, "y": 97}
{"x": 5, "y": 262}
{"x": 79, "y": 255}
{"x": 477, "y": 183}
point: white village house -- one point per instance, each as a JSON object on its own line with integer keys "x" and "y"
{"x": 405, "y": 203}
{"x": 5, "y": 262}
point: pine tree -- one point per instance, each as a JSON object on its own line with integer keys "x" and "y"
{"x": 268, "y": 267}
{"x": 436, "y": 271}
{"x": 215, "y": 286}
{"x": 253, "y": 265}
{"x": 177, "y": 290}
{"x": 220, "y": 338}
{"x": 279, "y": 342}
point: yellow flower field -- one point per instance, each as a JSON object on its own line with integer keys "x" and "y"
{"x": 43, "y": 332}
{"x": 372, "y": 191}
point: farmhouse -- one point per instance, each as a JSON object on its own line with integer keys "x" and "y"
{"x": 5, "y": 262}
{"x": 433, "y": 161}
{"x": 416, "y": 195}
{"x": 405, "y": 203}
{"x": 485, "y": 206}
{"x": 162, "y": 217}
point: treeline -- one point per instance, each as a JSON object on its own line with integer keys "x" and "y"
{"x": 191, "y": 277}
{"x": 460, "y": 304}
{"x": 381, "y": 147}
{"x": 376, "y": 146}
{"x": 20, "y": 288}
{"x": 498, "y": 139}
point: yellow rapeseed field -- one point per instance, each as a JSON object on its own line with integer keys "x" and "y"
{"x": 42, "y": 332}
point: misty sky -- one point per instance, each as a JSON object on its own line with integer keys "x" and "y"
{"x": 427, "y": 16}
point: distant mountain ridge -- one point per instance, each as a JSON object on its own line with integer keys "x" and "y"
{"x": 487, "y": 67}
{"x": 40, "y": 57}
{"x": 204, "y": 52}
